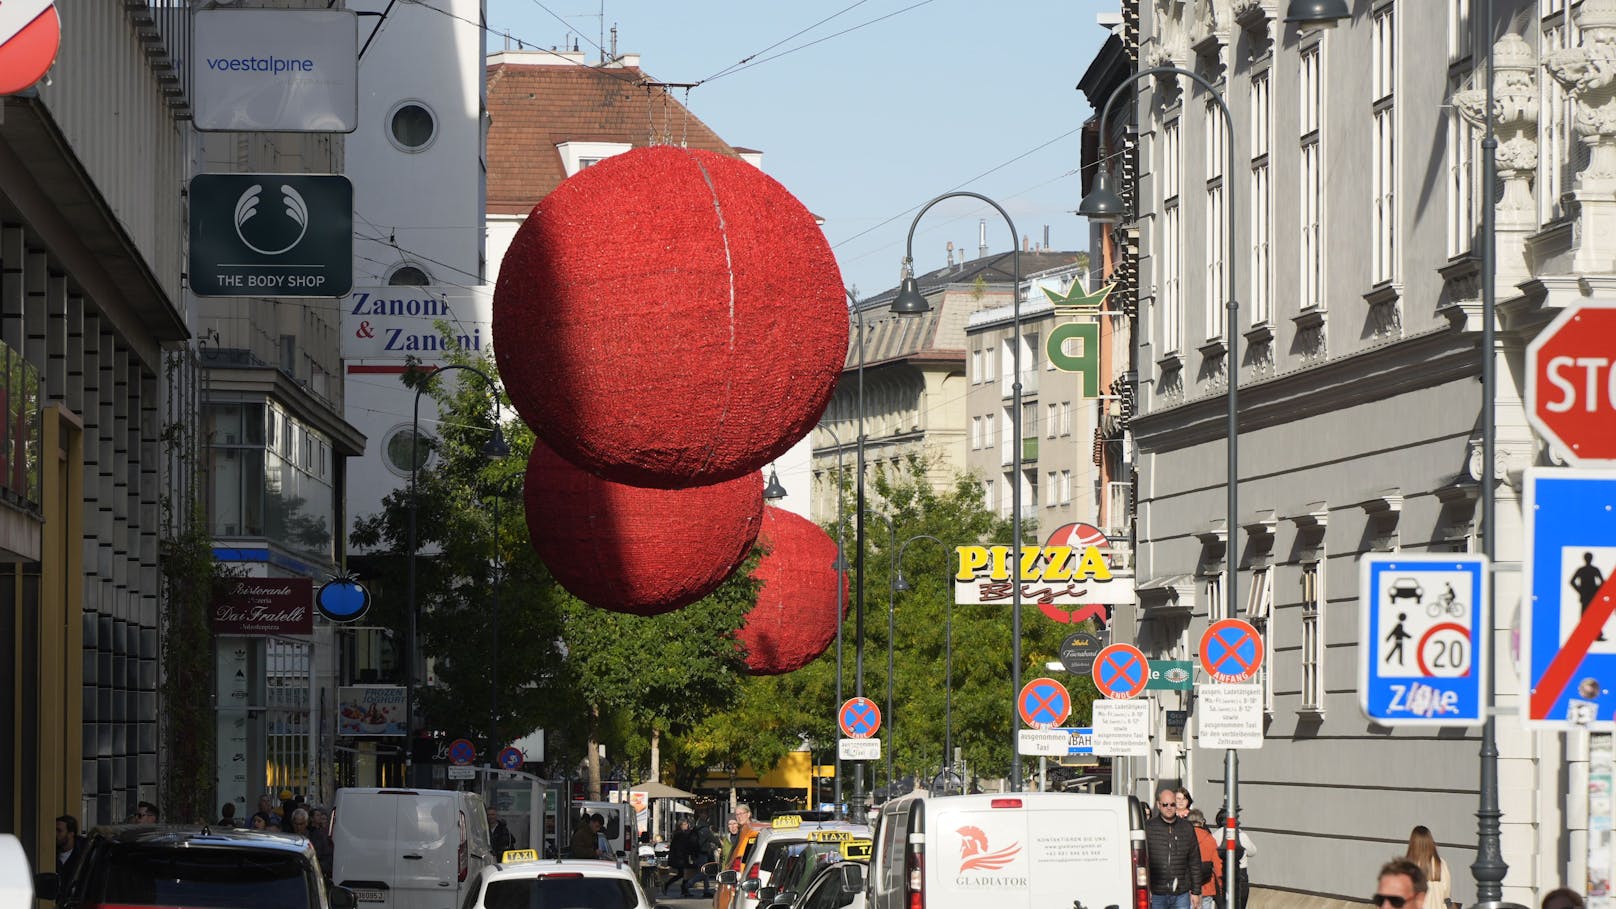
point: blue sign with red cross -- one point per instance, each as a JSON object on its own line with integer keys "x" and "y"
{"x": 511, "y": 758}
{"x": 859, "y": 718}
{"x": 1231, "y": 651}
{"x": 1121, "y": 671}
{"x": 462, "y": 752}
{"x": 1044, "y": 703}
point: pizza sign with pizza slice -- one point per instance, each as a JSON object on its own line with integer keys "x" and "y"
{"x": 30, "y": 34}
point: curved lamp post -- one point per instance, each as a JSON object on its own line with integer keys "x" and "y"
{"x": 899, "y": 585}
{"x": 494, "y": 448}
{"x": 910, "y": 301}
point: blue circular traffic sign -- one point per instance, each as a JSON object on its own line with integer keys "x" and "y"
{"x": 1231, "y": 650}
{"x": 1044, "y": 703}
{"x": 511, "y": 758}
{"x": 462, "y": 752}
{"x": 1121, "y": 671}
{"x": 859, "y": 718}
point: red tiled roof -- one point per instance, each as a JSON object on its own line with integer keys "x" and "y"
{"x": 534, "y": 108}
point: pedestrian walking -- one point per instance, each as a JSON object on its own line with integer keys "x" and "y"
{"x": 700, "y": 855}
{"x": 68, "y": 842}
{"x": 1438, "y": 882}
{"x": 227, "y": 814}
{"x": 1243, "y": 851}
{"x": 1401, "y": 886}
{"x": 499, "y": 834}
{"x": 1563, "y": 898}
{"x": 584, "y": 839}
{"x": 300, "y": 822}
{"x": 681, "y": 855}
{"x": 1175, "y": 857}
{"x": 320, "y": 838}
{"x": 266, "y": 811}
{"x": 145, "y": 813}
{"x": 1211, "y": 860}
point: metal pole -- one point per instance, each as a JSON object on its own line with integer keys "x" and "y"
{"x": 1489, "y": 867}
{"x": 892, "y": 631}
{"x": 1015, "y": 454}
{"x": 493, "y": 647}
{"x": 841, "y": 605}
{"x": 948, "y": 673}
{"x": 858, "y": 545}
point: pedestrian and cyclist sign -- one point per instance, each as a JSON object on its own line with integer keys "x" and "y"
{"x": 1423, "y": 639}
{"x": 1569, "y": 640}
{"x": 1231, "y": 651}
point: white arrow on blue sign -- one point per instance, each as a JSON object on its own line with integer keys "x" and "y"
{"x": 1424, "y": 638}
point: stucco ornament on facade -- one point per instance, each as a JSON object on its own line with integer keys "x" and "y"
{"x": 1515, "y": 115}
{"x": 1589, "y": 75}
{"x": 1170, "y": 46}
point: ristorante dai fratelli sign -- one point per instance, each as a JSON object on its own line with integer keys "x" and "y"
{"x": 264, "y": 606}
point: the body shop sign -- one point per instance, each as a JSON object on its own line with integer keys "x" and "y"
{"x": 264, "y": 606}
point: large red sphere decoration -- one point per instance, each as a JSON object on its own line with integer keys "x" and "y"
{"x": 636, "y": 550}
{"x": 795, "y": 616}
{"x": 670, "y": 317}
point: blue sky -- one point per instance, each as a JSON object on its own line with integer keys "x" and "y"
{"x": 867, "y": 126}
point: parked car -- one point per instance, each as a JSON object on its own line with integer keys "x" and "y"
{"x": 526, "y": 881}
{"x": 801, "y": 859}
{"x": 197, "y": 868}
{"x": 786, "y": 836}
{"x": 833, "y": 885}
{"x": 408, "y": 848}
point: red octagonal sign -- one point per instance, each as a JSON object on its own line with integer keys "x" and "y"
{"x": 1571, "y": 383}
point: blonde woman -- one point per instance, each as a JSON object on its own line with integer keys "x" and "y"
{"x": 1422, "y": 852}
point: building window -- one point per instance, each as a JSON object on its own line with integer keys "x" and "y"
{"x": 1052, "y": 483}
{"x": 1262, "y": 203}
{"x": 1462, "y": 178}
{"x": 976, "y": 433}
{"x": 1217, "y": 222}
{"x": 1172, "y": 243}
{"x": 1312, "y": 636}
{"x": 976, "y": 365}
{"x": 1052, "y": 420}
{"x": 1066, "y": 487}
{"x": 1212, "y": 587}
{"x": 1311, "y": 192}
{"x": 1559, "y": 152}
{"x": 1458, "y": 31}
{"x": 411, "y": 126}
{"x": 409, "y": 275}
{"x": 1259, "y": 609}
{"x": 1383, "y": 91}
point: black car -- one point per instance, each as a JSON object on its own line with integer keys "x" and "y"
{"x": 193, "y": 867}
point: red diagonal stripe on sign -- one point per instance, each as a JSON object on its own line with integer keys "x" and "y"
{"x": 1565, "y": 663}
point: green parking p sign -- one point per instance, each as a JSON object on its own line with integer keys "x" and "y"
{"x": 271, "y": 235}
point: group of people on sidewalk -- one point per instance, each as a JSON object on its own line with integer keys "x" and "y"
{"x": 1186, "y": 859}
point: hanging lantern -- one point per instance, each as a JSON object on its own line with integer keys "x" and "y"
{"x": 670, "y": 317}
{"x": 795, "y": 616}
{"x": 632, "y": 549}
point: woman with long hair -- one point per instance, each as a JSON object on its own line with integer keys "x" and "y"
{"x": 1422, "y": 852}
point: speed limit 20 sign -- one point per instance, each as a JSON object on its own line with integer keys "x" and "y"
{"x": 1423, "y": 638}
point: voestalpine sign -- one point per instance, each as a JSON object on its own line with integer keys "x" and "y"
{"x": 276, "y": 70}
{"x": 264, "y": 606}
{"x": 271, "y": 235}
{"x": 425, "y": 322}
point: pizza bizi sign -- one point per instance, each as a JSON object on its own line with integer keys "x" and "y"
{"x": 1072, "y": 569}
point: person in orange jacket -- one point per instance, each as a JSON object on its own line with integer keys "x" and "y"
{"x": 1211, "y": 891}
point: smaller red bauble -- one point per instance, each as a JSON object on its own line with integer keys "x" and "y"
{"x": 795, "y": 616}
{"x": 635, "y": 550}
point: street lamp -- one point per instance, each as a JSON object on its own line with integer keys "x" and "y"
{"x": 911, "y": 302}
{"x": 900, "y": 585}
{"x": 494, "y": 448}
{"x": 1317, "y": 13}
{"x": 892, "y": 541}
{"x": 840, "y": 567}
{"x": 773, "y": 491}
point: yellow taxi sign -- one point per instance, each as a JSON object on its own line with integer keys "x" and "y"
{"x": 787, "y": 822}
{"x": 830, "y": 836}
{"x": 513, "y": 856}
{"x": 857, "y": 850}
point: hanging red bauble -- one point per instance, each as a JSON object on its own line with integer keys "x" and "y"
{"x": 632, "y": 549}
{"x": 795, "y": 616}
{"x": 670, "y": 317}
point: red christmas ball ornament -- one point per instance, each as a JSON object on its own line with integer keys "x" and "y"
{"x": 632, "y": 549}
{"x": 795, "y": 616}
{"x": 670, "y": 317}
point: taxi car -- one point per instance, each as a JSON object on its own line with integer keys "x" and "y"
{"x": 786, "y": 836}
{"x": 834, "y": 885}
{"x": 792, "y": 876}
{"x": 522, "y": 879}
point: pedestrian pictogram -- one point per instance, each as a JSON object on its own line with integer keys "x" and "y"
{"x": 1231, "y": 651}
{"x": 1044, "y": 703}
{"x": 462, "y": 752}
{"x": 511, "y": 758}
{"x": 859, "y": 718}
{"x": 30, "y": 36}
{"x": 1121, "y": 671}
{"x": 1569, "y": 640}
{"x": 1571, "y": 383}
{"x": 1423, "y": 632}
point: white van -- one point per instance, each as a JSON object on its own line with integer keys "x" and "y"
{"x": 1014, "y": 849}
{"x": 408, "y": 848}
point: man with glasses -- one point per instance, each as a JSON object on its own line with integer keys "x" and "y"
{"x": 145, "y": 813}
{"x": 1402, "y": 886}
{"x": 1175, "y": 856}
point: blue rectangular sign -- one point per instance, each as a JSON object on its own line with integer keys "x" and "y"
{"x": 1568, "y": 637}
{"x": 1424, "y": 638}
{"x": 1081, "y": 739}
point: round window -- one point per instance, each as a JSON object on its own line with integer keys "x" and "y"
{"x": 398, "y": 448}
{"x": 412, "y": 126}
{"x": 410, "y": 275}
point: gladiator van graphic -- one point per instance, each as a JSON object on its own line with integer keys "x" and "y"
{"x": 974, "y": 854}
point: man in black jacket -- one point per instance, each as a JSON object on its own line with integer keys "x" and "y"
{"x": 1175, "y": 856}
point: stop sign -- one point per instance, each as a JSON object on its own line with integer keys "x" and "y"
{"x": 1571, "y": 382}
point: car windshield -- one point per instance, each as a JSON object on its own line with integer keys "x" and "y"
{"x": 778, "y": 852}
{"x": 207, "y": 878}
{"x": 561, "y": 893}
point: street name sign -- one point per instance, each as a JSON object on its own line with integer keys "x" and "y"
{"x": 858, "y": 749}
{"x": 1229, "y": 716}
{"x": 1568, "y": 639}
{"x": 1423, "y": 638}
{"x": 1122, "y": 728}
{"x": 1571, "y": 383}
{"x": 271, "y": 235}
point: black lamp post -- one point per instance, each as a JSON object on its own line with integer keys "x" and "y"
{"x": 501, "y": 490}
{"x": 910, "y": 301}
{"x": 900, "y": 585}
{"x": 494, "y": 448}
{"x": 840, "y": 567}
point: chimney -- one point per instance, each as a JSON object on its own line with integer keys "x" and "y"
{"x": 981, "y": 238}
{"x": 1046, "y": 236}
{"x": 951, "y": 253}
{"x": 1026, "y": 243}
